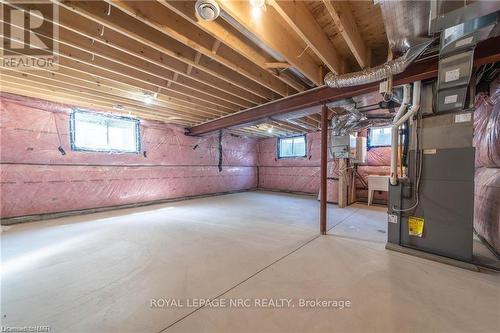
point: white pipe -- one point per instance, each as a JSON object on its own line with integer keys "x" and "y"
{"x": 404, "y": 103}
{"x": 395, "y": 127}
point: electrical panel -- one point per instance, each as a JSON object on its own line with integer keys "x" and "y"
{"x": 340, "y": 146}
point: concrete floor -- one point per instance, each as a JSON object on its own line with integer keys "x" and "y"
{"x": 99, "y": 272}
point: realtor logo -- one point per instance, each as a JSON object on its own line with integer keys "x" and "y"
{"x": 29, "y": 35}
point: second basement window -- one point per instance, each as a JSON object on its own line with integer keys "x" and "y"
{"x": 292, "y": 147}
{"x": 379, "y": 136}
{"x": 105, "y": 133}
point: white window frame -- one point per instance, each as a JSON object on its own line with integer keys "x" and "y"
{"x": 106, "y": 118}
{"x": 369, "y": 139}
{"x": 278, "y": 148}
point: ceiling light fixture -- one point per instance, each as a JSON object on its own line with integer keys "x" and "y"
{"x": 258, "y": 3}
{"x": 257, "y": 7}
{"x": 148, "y": 98}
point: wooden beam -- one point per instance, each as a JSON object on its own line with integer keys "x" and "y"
{"x": 84, "y": 102}
{"x": 278, "y": 65}
{"x": 143, "y": 56}
{"x": 82, "y": 79}
{"x": 147, "y": 72}
{"x": 232, "y": 38}
{"x": 341, "y": 13}
{"x": 267, "y": 28}
{"x": 487, "y": 51}
{"x": 300, "y": 19}
{"x": 120, "y": 21}
{"x": 88, "y": 64}
{"x": 59, "y": 87}
{"x": 65, "y": 81}
{"x": 174, "y": 26}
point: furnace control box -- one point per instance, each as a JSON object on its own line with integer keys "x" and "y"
{"x": 349, "y": 146}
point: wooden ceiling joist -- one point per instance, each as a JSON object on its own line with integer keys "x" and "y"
{"x": 83, "y": 76}
{"x": 174, "y": 26}
{"x": 81, "y": 97}
{"x": 224, "y": 33}
{"x": 57, "y": 86}
{"x": 104, "y": 47}
{"x": 104, "y": 70}
{"x": 343, "y": 19}
{"x": 52, "y": 94}
{"x": 269, "y": 31}
{"x": 298, "y": 17}
{"x": 65, "y": 80}
{"x": 121, "y": 22}
{"x": 115, "y": 53}
{"x": 278, "y": 65}
{"x": 151, "y": 57}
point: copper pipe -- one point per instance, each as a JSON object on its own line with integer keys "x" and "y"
{"x": 323, "y": 168}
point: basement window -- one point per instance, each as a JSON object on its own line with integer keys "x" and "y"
{"x": 379, "y": 137}
{"x": 292, "y": 147}
{"x": 104, "y": 133}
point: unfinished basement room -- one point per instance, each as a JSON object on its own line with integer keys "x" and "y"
{"x": 250, "y": 166}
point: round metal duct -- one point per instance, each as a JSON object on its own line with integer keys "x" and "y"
{"x": 207, "y": 10}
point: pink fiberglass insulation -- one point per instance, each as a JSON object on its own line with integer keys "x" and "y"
{"x": 36, "y": 178}
{"x": 378, "y": 156}
{"x": 300, "y": 174}
{"x": 487, "y": 205}
{"x": 487, "y": 177}
{"x": 369, "y": 170}
{"x": 378, "y": 161}
{"x": 487, "y": 127}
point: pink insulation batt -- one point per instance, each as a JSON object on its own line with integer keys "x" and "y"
{"x": 301, "y": 174}
{"x": 487, "y": 177}
{"x": 36, "y": 178}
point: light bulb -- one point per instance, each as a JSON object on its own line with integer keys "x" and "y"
{"x": 148, "y": 99}
{"x": 257, "y": 3}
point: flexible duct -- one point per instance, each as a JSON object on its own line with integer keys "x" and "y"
{"x": 350, "y": 117}
{"x": 368, "y": 123}
{"x": 377, "y": 73}
{"x": 353, "y": 121}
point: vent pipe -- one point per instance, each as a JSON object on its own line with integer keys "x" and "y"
{"x": 398, "y": 122}
{"x": 377, "y": 73}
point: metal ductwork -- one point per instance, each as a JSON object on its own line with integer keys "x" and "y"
{"x": 377, "y": 73}
{"x": 406, "y": 23}
{"x": 349, "y": 120}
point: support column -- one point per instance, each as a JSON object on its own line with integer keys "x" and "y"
{"x": 323, "y": 169}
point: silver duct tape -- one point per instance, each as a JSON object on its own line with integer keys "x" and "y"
{"x": 377, "y": 73}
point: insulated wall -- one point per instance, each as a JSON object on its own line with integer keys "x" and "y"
{"x": 299, "y": 174}
{"x": 36, "y": 178}
{"x": 487, "y": 177}
{"x": 378, "y": 162}
{"x": 302, "y": 174}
